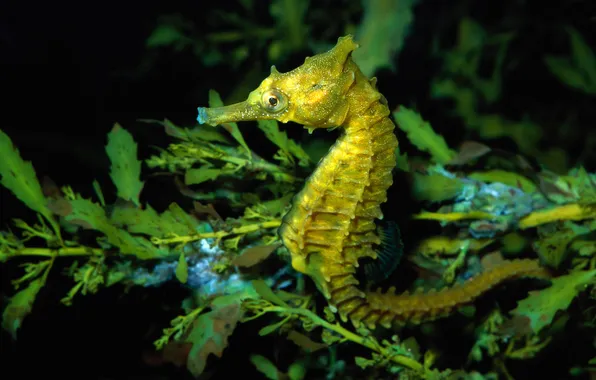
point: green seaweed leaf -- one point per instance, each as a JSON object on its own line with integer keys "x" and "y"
{"x": 173, "y": 221}
{"x": 296, "y": 371}
{"x": 90, "y": 215}
{"x": 555, "y": 238}
{"x": 272, "y": 327}
{"x": 144, "y": 221}
{"x": 168, "y": 34}
{"x": 182, "y": 269}
{"x": 565, "y": 71}
{"x": 508, "y": 178}
{"x": 402, "y": 162}
{"x": 266, "y": 293}
{"x": 126, "y": 168}
{"x": 285, "y": 144}
{"x": 265, "y": 366}
{"x": 254, "y": 255}
{"x": 436, "y": 187}
{"x": 382, "y": 33}
{"x": 293, "y": 29}
{"x": 20, "y": 306}
{"x": 232, "y": 128}
{"x": 552, "y": 247}
{"x": 87, "y": 214}
{"x": 202, "y": 174}
{"x": 583, "y": 56}
{"x": 305, "y": 342}
{"x": 200, "y": 132}
{"x": 583, "y": 185}
{"x": 578, "y": 72}
{"x": 275, "y": 207}
{"x": 421, "y": 134}
{"x": 541, "y": 306}
{"x": 19, "y": 177}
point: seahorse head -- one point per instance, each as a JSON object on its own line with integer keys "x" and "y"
{"x": 314, "y": 94}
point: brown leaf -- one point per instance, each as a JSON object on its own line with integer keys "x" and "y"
{"x": 305, "y": 342}
{"x": 200, "y": 208}
{"x": 59, "y": 206}
{"x": 492, "y": 260}
{"x": 174, "y": 352}
{"x": 517, "y": 326}
{"x": 83, "y": 223}
{"x": 210, "y": 334}
{"x": 174, "y": 131}
{"x": 468, "y": 151}
{"x": 525, "y": 165}
{"x": 56, "y": 202}
{"x": 50, "y": 189}
{"x": 254, "y": 255}
{"x": 184, "y": 190}
{"x": 20, "y": 306}
{"x": 549, "y": 188}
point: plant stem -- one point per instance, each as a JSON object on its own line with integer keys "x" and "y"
{"x": 219, "y": 234}
{"x": 53, "y": 253}
{"x": 371, "y": 344}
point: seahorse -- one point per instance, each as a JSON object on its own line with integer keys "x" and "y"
{"x": 332, "y": 222}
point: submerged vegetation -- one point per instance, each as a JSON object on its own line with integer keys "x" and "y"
{"x": 479, "y": 205}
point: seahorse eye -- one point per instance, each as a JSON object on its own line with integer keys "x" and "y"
{"x": 274, "y": 101}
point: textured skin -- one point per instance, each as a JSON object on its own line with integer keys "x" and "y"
{"x": 331, "y": 223}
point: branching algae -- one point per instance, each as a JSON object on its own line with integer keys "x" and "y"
{"x": 330, "y": 225}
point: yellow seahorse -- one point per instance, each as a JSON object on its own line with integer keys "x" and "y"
{"x": 331, "y": 224}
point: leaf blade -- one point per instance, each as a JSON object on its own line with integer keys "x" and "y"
{"x": 126, "y": 167}
{"x": 20, "y": 306}
{"x": 265, "y": 366}
{"x": 541, "y": 306}
{"x": 182, "y": 269}
{"x": 265, "y": 291}
{"x": 421, "y": 134}
{"x": 583, "y": 55}
{"x": 232, "y": 128}
{"x": 565, "y": 71}
{"x": 19, "y": 177}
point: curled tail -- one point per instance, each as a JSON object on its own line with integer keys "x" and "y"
{"x": 390, "y": 309}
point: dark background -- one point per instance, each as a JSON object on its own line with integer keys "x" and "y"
{"x": 69, "y": 71}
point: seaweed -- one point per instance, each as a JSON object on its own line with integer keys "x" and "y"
{"x": 478, "y": 207}
{"x": 478, "y": 210}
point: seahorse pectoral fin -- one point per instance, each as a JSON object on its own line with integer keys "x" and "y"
{"x": 312, "y": 268}
{"x": 389, "y": 253}
{"x": 299, "y": 264}
{"x": 243, "y": 111}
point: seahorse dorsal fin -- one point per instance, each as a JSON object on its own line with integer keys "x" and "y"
{"x": 389, "y": 253}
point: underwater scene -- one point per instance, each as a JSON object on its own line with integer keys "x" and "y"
{"x": 298, "y": 189}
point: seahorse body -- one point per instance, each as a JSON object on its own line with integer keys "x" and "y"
{"x": 331, "y": 224}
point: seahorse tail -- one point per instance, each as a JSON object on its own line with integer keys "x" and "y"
{"x": 345, "y": 297}
{"x": 389, "y": 309}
